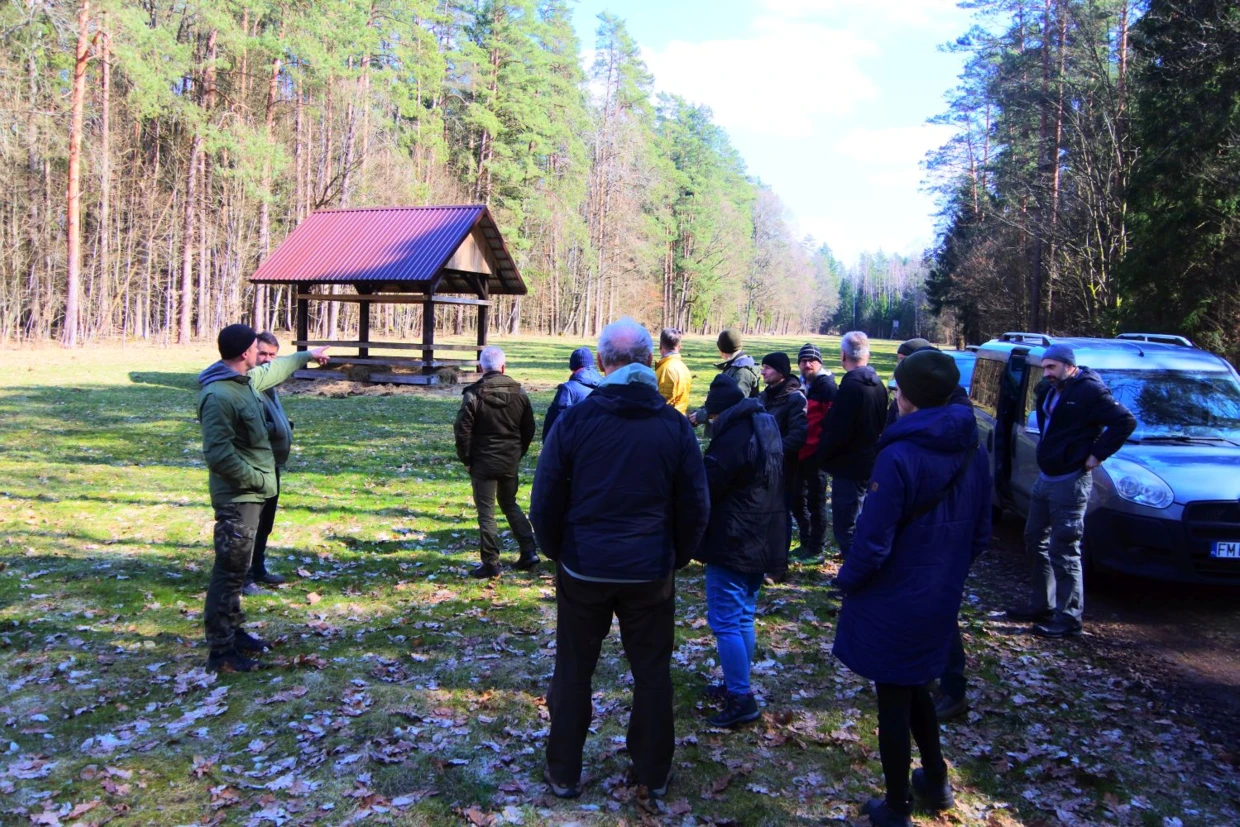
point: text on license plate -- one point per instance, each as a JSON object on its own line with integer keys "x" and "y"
{"x": 1228, "y": 550}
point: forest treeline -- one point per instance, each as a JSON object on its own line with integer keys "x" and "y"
{"x": 1093, "y": 183}
{"x": 154, "y": 152}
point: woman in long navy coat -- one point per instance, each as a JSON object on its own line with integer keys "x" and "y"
{"x": 926, "y": 517}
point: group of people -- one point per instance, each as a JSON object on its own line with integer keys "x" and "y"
{"x": 623, "y": 497}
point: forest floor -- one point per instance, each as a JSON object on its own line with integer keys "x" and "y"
{"x": 401, "y": 692}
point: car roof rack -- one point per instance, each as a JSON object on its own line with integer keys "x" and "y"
{"x": 1158, "y": 338}
{"x": 1029, "y": 338}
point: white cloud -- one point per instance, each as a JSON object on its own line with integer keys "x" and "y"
{"x": 779, "y": 81}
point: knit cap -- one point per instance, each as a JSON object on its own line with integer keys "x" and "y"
{"x": 927, "y": 378}
{"x": 723, "y": 394}
{"x": 809, "y": 350}
{"x": 1060, "y": 353}
{"x": 912, "y": 346}
{"x": 779, "y": 361}
{"x": 581, "y": 358}
{"x": 729, "y": 341}
{"x": 235, "y": 340}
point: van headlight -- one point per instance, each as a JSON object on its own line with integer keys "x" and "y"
{"x": 1138, "y": 484}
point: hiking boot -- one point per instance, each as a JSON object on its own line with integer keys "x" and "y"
{"x": 805, "y": 554}
{"x": 527, "y": 561}
{"x": 243, "y": 641}
{"x": 1028, "y": 614}
{"x": 1059, "y": 627}
{"x": 251, "y": 589}
{"x": 231, "y": 660}
{"x": 630, "y": 780}
{"x": 270, "y": 578}
{"x": 715, "y": 692}
{"x": 485, "y": 571}
{"x": 882, "y": 815}
{"x": 936, "y": 796}
{"x": 560, "y": 790}
{"x": 740, "y": 709}
{"x": 948, "y": 708}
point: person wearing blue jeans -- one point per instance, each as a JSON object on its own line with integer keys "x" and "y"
{"x": 746, "y": 536}
{"x": 847, "y": 497}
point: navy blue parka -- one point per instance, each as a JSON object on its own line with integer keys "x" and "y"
{"x": 903, "y": 583}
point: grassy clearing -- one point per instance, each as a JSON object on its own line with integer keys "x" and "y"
{"x": 403, "y": 692}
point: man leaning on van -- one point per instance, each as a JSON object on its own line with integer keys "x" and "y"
{"x": 1081, "y": 426}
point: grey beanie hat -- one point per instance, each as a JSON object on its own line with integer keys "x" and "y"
{"x": 1060, "y": 353}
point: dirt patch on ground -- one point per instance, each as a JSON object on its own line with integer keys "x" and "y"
{"x": 1180, "y": 642}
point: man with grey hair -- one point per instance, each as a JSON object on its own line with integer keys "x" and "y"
{"x": 850, "y": 433}
{"x": 620, "y": 502}
{"x": 494, "y": 429}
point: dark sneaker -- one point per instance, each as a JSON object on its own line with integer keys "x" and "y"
{"x": 270, "y": 578}
{"x": 948, "y": 708}
{"x": 883, "y": 816}
{"x": 560, "y": 790}
{"x": 246, "y": 642}
{"x": 936, "y": 796}
{"x": 485, "y": 571}
{"x": 740, "y": 709}
{"x": 1028, "y": 614}
{"x": 251, "y": 589}
{"x": 1059, "y": 627}
{"x": 231, "y": 661}
{"x": 804, "y": 554}
{"x": 527, "y": 562}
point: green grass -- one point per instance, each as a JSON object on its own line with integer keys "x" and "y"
{"x": 403, "y": 691}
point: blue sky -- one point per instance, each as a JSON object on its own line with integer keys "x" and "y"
{"x": 826, "y": 100}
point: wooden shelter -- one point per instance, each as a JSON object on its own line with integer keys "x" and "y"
{"x": 396, "y": 255}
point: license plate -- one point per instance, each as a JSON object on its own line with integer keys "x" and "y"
{"x": 1226, "y": 550}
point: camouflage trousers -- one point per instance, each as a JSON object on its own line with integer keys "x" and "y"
{"x": 236, "y": 525}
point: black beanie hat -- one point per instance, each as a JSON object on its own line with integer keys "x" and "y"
{"x": 912, "y": 346}
{"x": 729, "y": 341}
{"x": 927, "y": 378}
{"x": 235, "y": 340}
{"x": 723, "y": 394}
{"x": 809, "y": 350}
{"x": 779, "y": 361}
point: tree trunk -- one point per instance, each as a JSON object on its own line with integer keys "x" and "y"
{"x": 73, "y": 217}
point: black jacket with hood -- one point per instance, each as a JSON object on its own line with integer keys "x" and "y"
{"x": 744, "y": 464}
{"x": 1086, "y": 420}
{"x": 494, "y": 427}
{"x": 853, "y": 425}
{"x": 786, "y": 403}
{"x": 620, "y": 492}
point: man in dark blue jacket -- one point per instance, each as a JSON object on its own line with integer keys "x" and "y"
{"x": 782, "y": 399}
{"x": 850, "y": 435}
{"x": 1081, "y": 425}
{"x": 926, "y": 518}
{"x": 584, "y": 379}
{"x": 620, "y": 501}
{"x": 746, "y": 535}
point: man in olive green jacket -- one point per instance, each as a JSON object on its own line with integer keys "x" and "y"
{"x": 242, "y": 476}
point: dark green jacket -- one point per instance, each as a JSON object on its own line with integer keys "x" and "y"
{"x": 494, "y": 426}
{"x": 235, "y": 440}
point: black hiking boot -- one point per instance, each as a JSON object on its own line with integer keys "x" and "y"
{"x": 882, "y": 815}
{"x": 740, "y": 709}
{"x": 231, "y": 660}
{"x": 527, "y": 561}
{"x": 936, "y": 796}
{"x": 243, "y": 641}
{"x": 485, "y": 571}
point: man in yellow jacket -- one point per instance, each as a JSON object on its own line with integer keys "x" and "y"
{"x": 671, "y": 371}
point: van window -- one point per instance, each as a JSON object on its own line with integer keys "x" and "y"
{"x": 985, "y": 389}
{"x": 1175, "y": 404}
{"x": 1031, "y": 393}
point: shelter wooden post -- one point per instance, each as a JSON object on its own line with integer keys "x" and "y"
{"x": 303, "y": 322}
{"x": 428, "y": 335}
{"x": 363, "y": 321}
{"x": 484, "y": 320}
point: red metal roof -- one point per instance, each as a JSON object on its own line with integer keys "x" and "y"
{"x": 406, "y": 247}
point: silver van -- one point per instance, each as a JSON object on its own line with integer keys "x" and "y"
{"x": 1167, "y": 504}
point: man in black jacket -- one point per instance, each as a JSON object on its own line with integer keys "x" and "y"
{"x": 494, "y": 428}
{"x": 1081, "y": 425}
{"x": 850, "y": 435}
{"x": 620, "y": 502}
{"x": 782, "y": 399}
